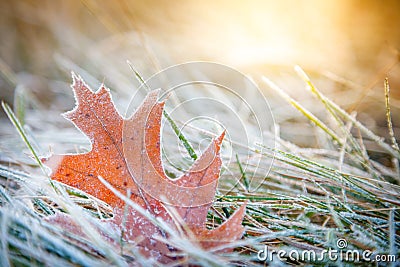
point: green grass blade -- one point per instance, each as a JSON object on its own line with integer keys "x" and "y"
{"x": 20, "y": 104}
{"x": 304, "y": 111}
{"x": 244, "y": 176}
{"x": 181, "y": 137}
{"x": 14, "y": 120}
{"x": 175, "y": 127}
{"x": 395, "y": 145}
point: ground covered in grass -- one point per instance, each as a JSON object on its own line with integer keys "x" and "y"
{"x": 309, "y": 199}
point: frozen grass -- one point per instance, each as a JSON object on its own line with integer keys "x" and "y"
{"x": 335, "y": 178}
{"x": 310, "y": 198}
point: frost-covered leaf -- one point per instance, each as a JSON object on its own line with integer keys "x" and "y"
{"x": 126, "y": 153}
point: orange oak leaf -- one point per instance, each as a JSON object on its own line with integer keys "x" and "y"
{"x": 126, "y": 153}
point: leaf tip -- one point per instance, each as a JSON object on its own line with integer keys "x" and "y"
{"x": 76, "y": 80}
{"x": 218, "y": 141}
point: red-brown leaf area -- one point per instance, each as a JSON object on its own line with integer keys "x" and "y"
{"x": 126, "y": 153}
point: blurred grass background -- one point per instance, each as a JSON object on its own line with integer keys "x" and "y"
{"x": 348, "y": 47}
